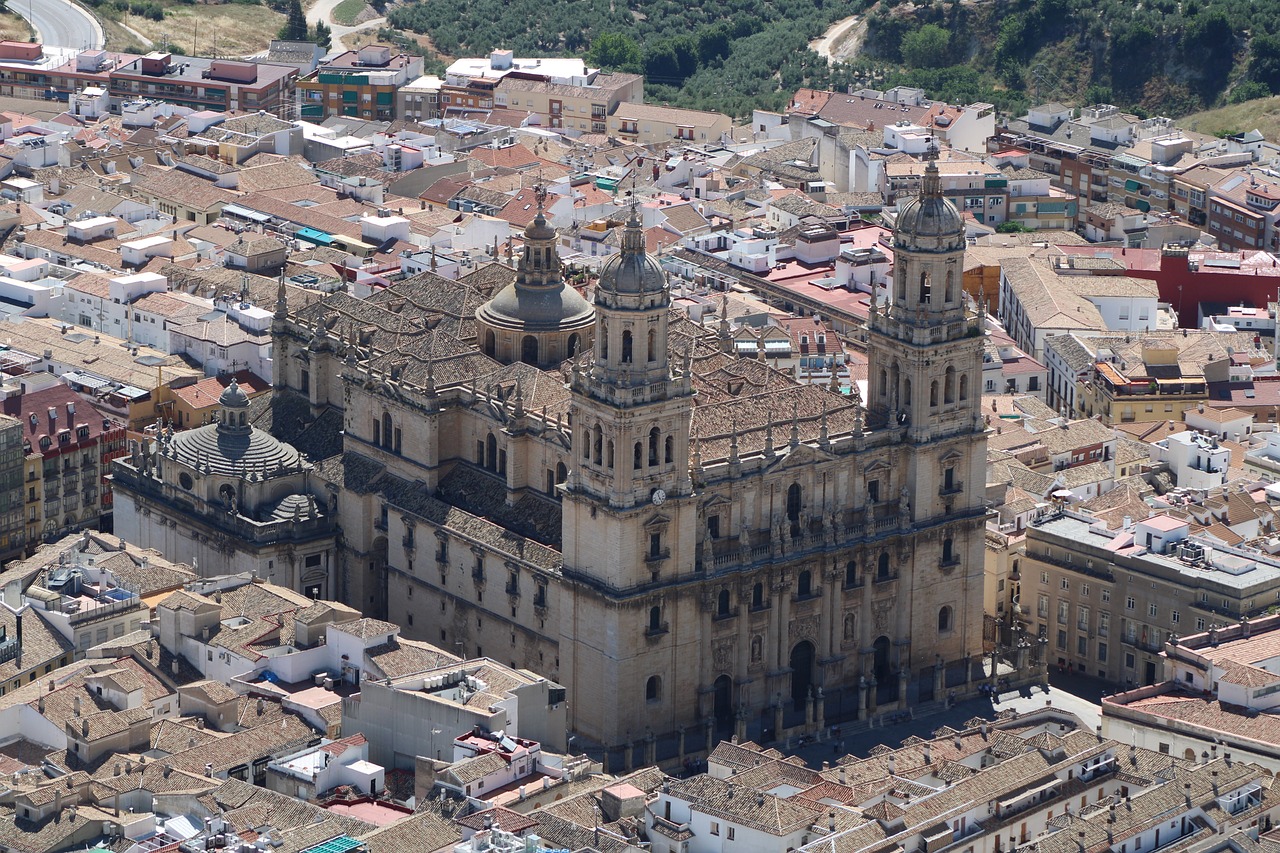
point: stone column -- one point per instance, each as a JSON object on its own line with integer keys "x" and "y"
{"x": 628, "y": 756}
{"x": 830, "y": 615}
{"x": 939, "y": 678}
{"x": 820, "y": 710}
{"x": 744, "y": 637}
{"x": 862, "y": 698}
{"x": 777, "y": 717}
{"x": 871, "y": 696}
{"x": 904, "y": 680}
{"x": 680, "y": 743}
{"x": 650, "y": 748}
{"x": 808, "y": 708}
{"x": 710, "y": 725}
{"x": 784, "y": 625}
{"x": 741, "y": 724}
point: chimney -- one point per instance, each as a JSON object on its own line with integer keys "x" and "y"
{"x": 75, "y": 707}
{"x": 1186, "y": 793}
{"x": 928, "y": 753}
{"x": 57, "y": 801}
{"x": 84, "y": 727}
{"x": 893, "y": 765}
{"x": 167, "y": 769}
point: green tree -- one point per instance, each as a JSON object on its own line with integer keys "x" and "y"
{"x": 1264, "y": 61}
{"x": 615, "y": 51}
{"x": 322, "y": 34}
{"x": 1249, "y": 90}
{"x": 295, "y": 24}
{"x": 926, "y": 47}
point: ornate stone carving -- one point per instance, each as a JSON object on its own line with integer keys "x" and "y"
{"x": 804, "y": 628}
{"x": 882, "y": 610}
{"x": 722, "y": 656}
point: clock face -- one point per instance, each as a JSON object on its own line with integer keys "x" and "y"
{"x": 658, "y": 497}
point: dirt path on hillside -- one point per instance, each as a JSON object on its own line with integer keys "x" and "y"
{"x": 842, "y": 40}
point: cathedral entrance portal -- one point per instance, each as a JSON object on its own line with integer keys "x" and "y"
{"x": 723, "y": 709}
{"x": 801, "y": 672}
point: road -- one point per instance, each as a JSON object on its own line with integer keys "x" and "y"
{"x": 842, "y": 40}
{"x": 323, "y": 11}
{"x": 60, "y": 23}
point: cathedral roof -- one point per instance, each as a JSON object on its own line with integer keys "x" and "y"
{"x": 218, "y": 451}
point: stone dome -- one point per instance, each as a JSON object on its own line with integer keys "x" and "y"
{"x": 232, "y": 453}
{"x": 537, "y": 309}
{"x": 633, "y": 270}
{"x": 929, "y": 221}
{"x": 233, "y": 397}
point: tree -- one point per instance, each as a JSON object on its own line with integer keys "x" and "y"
{"x": 295, "y": 24}
{"x": 615, "y": 51}
{"x": 1264, "y": 61}
{"x": 926, "y": 47}
{"x": 322, "y": 35}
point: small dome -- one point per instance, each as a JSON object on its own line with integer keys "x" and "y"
{"x": 234, "y": 397}
{"x": 625, "y": 273}
{"x": 633, "y": 270}
{"x": 930, "y": 217}
{"x": 929, "y": 221}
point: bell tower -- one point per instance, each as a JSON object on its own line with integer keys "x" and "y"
{"x": 631, "y": 417}
{"x": 629, "y": 512}
{"x": 925, "y": 350}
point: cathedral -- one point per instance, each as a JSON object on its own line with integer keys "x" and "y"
{"x": 692, "y": 543}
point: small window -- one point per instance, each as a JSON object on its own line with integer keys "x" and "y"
{"x": 653, "y": 689}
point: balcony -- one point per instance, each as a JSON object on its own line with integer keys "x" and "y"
{"x": 955, "y": 488}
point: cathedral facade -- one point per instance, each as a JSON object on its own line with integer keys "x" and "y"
{"x": 692, "y": 543}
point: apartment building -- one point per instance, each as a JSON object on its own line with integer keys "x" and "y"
{"x": 360, "y": 83}
{"x": 650, "y": 124}
{"x": 76, "y": 444}
{"x": 1104, "y": 600}
{"x": 583, "y": 107}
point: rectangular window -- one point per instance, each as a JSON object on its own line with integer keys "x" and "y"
{"x": 1062, "y": 640}
{"x": 1104, "y": 623}
{"x": 1153, "y": 610}
{"x": 1102, "y": 652}
{"x": 1042, "y": 607}
{"x": 715, "y": 828}
{"x": 1082, "y": 646}
{"x": 1106, "y": 594}
{"x": 1084, "y": 589}
{"x": 1044, "y": 577}
{"x": 1063, "y": 609}
{"x": 1064, "y": 584}
{"x": 1175, "y": 616}
{"x": 1130, "y": 603}
{"x": 1128, "y": 660}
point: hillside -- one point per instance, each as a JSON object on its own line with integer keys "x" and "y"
{"x": 1168, "y": 56}
{"x": 1262, "y": 114}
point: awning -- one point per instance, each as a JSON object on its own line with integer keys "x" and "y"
{"x": 777, "y": 346}
{"x": 93, "y": 383}
{"x": 245, "y": 213}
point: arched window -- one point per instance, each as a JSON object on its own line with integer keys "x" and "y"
{"x": 722, "y": 603}
{"x": 948, "y": 294}
{"x": 386, "y": 428}
{"x": 902, "y": 285}
{"x": 757, "y": 596}
{"x": 654, "y": 439}
{"x": 626, "y": 347}
{"x": 882, "y": 567}
{"x": 804, "y": 584}
{"x": 906, "y": 392}
{"x": 794, "y": 499}
{"x": 949, "y": 386}
{"x": 669, "y": 450}
{"x": 490, "y": 343}
{"x": 884, "y": 382}
{"x": 964, "y": 386}
{"x": 571, "y": 348}
{"x": 597, "y": 444}
{"x": 653, "y": 689}
{"x": 655, "y": 619}
{"x": 586, "y": 445}
{"x": 609, "y": 454}
{"x": 926, "y": 288}
{"x": 948, "y": 550}
{"x": 377, "y": 433}
{"x": 851, "y": 573}
{"x": 933, "y": 393}
{"x": 651, "y": 352}
{"x": 637, "y": 456}
{"x": 944, "y": 619}
{"x": 529, "y": 350}
{"x": 604, "y": 344}
{"x": 562, "y": 474}
{"x": 242, "y": 419}
{"x": 491, "y": 453}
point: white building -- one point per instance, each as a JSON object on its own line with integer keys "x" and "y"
{"x": 1195, "y": 459}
